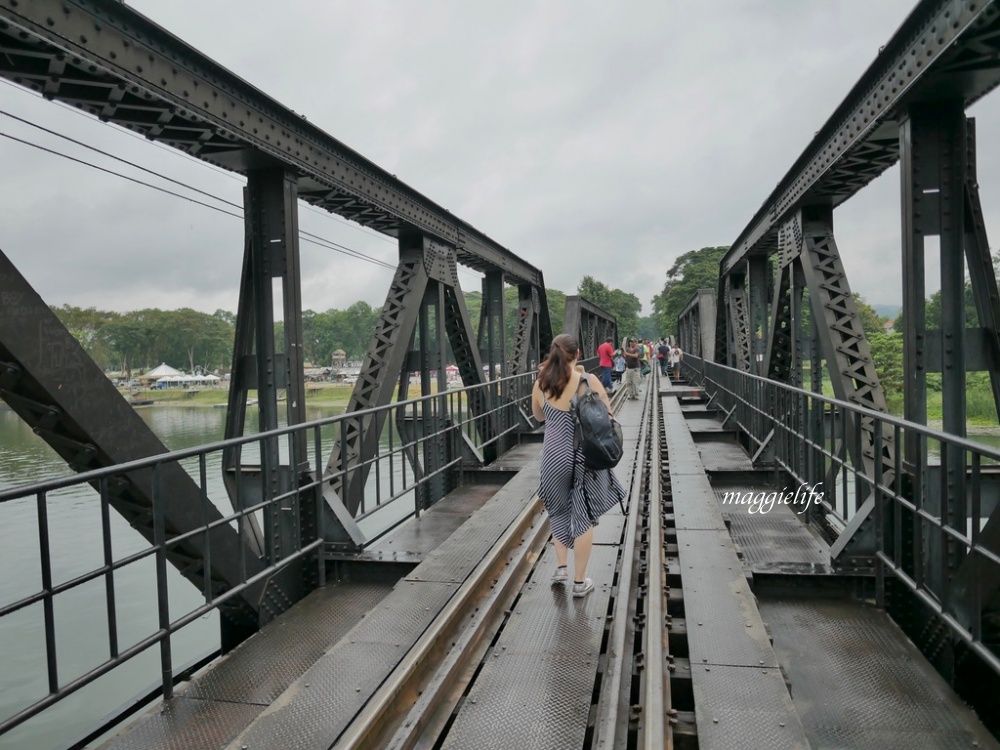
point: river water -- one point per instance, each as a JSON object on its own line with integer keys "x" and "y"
{"x": 80, "y": 614}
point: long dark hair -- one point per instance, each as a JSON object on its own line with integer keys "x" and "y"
{"x": 557, "y": 367}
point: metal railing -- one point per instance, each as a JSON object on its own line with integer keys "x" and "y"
{"x": 930, "y": 524}
{"x": 395, "y": 474}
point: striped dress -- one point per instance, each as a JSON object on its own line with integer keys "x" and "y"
{"x": 574, "y": 503}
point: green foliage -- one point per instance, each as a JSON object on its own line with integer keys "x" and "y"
{"x": 871, "y": 322}
{"x": 694, "y": 270}
{"x": 887, "y": 355}
{"x": 186, "y": 338}
{"x": 88, "y": 326}
{"x": 557, "y": 311}
{"x": 649, "y": 328}
{"x": 625, "y": 306}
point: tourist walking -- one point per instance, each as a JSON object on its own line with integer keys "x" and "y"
{"x": 632, "y": 370}
{"x": 605, "y": 352}
{"x": 663, "y": 356}
{"x": 573, "y": 495}
{"x": 619, "y": 367}
{"x": 676, "y": 355}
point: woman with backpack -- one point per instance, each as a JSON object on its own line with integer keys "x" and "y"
{"x": 573, "y": 495}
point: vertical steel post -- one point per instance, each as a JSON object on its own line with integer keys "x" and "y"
{"x": 933, "y": 156}
{"x": 759, "y": 271}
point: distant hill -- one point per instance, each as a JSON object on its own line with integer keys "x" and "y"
{"x": 888, "y": 311}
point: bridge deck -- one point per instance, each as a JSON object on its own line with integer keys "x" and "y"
{"x": 838, "y": 674}
{"x": 855, "y": 679}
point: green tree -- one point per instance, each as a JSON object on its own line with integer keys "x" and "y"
{"x": 649, "y": 328}
{"x": 131, "y": 338}
{"x": 871, "y": 322}
{"x": 694, "y": 270}
{"x": 88, "y": 326}
{"x": 887, "y": 356}
{"x": 624, "y": 306}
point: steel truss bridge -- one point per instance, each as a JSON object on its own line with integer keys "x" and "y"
{"x": 439, "y": 628}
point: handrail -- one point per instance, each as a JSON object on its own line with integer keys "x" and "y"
{"x": 948, "y": 561}
{"x": 401, "y": 460}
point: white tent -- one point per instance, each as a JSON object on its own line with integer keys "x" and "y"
{"x": 159, "y": 372}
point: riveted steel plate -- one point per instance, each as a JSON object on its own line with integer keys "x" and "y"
{"x": 465, "y": 500}
{"x": 402, "y": 616}
{"x": 609, "y": 528}
{"x": 695, "y": 505}
{"x": 518, "y": 456}
{"x": 774, "y": 538}
{"x": 537, "y": 682}
{"x": 867, "y": 686}
{"x": 698, "y": 409}
{"x": 418, "y": 537}
{"x": 537, "y": 701}
{"x": 744, "y": 707}
{"x": 708, "y": 549}
{"x": 547, "y": 619}
{"x": 723, "y": 625}
{"x": 723, "y": 455}
{"x": 685, "y": 465}
{"x": 260, "y": 669}
{"x": 184, "y": 723}
{"x": 453, "y": 560}
{"x": 704, "y": 424}
{"x": 318, "y": 706}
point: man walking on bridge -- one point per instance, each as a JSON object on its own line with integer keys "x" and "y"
{"x": 604, "y": 354}
{"x": 632, "y": 369}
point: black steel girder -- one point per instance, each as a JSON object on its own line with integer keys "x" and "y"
{"x": 385, "y": 359}
{"x": 739, "y": 321}
{"x": 104, "y": 58}
{"x": 427, "y": 277}
{"x": 696, "y": 325}
{"x": 589, "y": 324}
{"x": 55, "y": 387}
{"x": 944, "y": 49}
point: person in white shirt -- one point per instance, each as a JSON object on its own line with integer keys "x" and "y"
{"x": 676, "y": 355}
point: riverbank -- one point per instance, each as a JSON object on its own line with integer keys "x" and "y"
{"x": 317, "y": 394}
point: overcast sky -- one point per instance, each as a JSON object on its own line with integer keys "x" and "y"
{"x": 588, "y": 137}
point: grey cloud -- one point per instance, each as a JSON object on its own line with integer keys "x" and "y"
{"x": 591, "y": 138}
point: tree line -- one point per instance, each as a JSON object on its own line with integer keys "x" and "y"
{"x": 139, "y": 340}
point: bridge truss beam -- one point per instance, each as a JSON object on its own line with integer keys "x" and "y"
{"x": 942, "y": 46}
{"x": 696, "y": 325}
{"x": 68, "y": 401}
{"x": 589, "y": 324}
{"x": 106, "y": 59}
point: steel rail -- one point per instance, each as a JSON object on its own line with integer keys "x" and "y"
{"x": 656, "y": 687}
{"x": 102, "y": 56}
{"x": 413, "y": 702}
{"x": 853, "y": 147}
{"x": 617, "y": 682}
{"x": 432, "y": 659}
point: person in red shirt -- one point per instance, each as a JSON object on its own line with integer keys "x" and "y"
{"x": 605, "y": 352}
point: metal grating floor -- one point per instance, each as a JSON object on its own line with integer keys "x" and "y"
{"x": 858, "y": 682}
{"x": 724, "y": 455}
{"x": 773, "y": 541}
{"x": 535, "y": 687}
{"x": 517, "y": 457}
{"x": 704, "y": 424}
{"x": 223, "y": 701}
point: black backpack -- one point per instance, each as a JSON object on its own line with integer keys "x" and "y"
{"x": 597, "y": 433}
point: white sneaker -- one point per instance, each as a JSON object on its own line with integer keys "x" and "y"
{"x": 582, "y": 589}
{"x": 561, "y": 575}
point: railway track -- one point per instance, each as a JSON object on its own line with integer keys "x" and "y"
{"x": 619, "y": 690}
